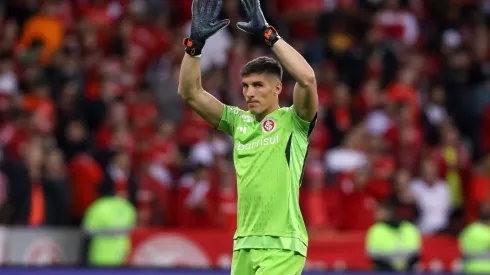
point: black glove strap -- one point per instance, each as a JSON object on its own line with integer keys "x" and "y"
{"x": 271, "y": 36}
{"x": 192, "y": 47}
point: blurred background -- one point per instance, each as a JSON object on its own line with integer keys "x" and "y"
{"x": 101, "y": 162}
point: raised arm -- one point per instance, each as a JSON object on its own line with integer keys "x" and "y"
{"x": 305, "y": 98}
{"x": 204, "y": 25}
{"x": 190, "y": 89}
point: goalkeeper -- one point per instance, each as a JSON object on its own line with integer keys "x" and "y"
{"x": 271, "y": 142}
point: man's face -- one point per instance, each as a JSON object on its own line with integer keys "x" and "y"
{"x": 123, "y": 161}
{"x": 261, "y": 92}
{"x": 429, "y": 171}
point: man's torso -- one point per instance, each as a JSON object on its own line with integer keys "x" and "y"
{"x": 269, "y": 158}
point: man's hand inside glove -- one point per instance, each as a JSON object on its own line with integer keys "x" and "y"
{"x": 257, "y": 24}
{"x": 204, "y": 24}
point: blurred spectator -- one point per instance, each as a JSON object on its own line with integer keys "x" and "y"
{"x": 164, "y": 149}
{"x": 37, "y": 187}
{"x": 19, "y": 135}
{"x": 204, "y": 152}
{"x": 485, "y": 131}
{"x": 398, "y": 22}
{"x": 33, "y": 54}
{"x": 357, "y": 201}
{"x": 454, "y": 162}
{"x": 163, "y": 78}
{"x": 100, "y": 13}
{"x": 74, "y": 140}
{"x": 380, "y": 158}
{"x": 402, "y": 201}
{"x": 228, "y": 201}
{"x": 143, "y": 113}
{"x": 433, "y": 199}
{"x": 119, "y": 140}
{"x": 406, "y": 139}
{"x": 349, "y": 156}
{"x": 156, "y": 197}
{"x": 10, "y": 35}
{"x": 84, "y": 185}
{"x": 195, "y": 208}
{"x": 4, "y": 206}
{"x": 192, "y": 130}
{"x": 107, "y": 226}
{"x": 119, "y": 179}
{"x": 56, "y": 178}
{"x": 299, "y": 16}
{"x": 40, "y": 104}
{"x": 386, "y": 240}
{"x": 459, "y": 101}
{"x": 341, "y": 116}
{"x": 315, "y": 210}
{"x": 8, "y": 78}
{"x": 380, "y": 119}
{"x": 434, "y": 115}
{"x": 116, "y": 120}
{"x": 403, "y": 91}
{"x": 45, "y": 26}
{"x": 480, "y": 188}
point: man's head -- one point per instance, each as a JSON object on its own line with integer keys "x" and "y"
{"x": 429, "y": 171}
{"x": 384, "y": 212}
{"x": 200, "y": 172}
{"x": 485, "y": 213}
{"x": 261, "y": 82}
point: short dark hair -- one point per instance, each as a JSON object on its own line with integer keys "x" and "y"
{"x": 262, "y": 65}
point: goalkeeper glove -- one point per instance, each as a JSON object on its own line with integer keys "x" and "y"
{"x": 203, "y": 25}
{"x": 258, "y": 25}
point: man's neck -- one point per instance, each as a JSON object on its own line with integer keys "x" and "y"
{"x": 261, "y": 116}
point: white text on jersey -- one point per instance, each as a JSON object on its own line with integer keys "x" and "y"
{"x": 258, "y": 143}
{"x": 242, "y": 129}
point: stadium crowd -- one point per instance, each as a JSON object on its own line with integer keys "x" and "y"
{"x": 89, "y": 107}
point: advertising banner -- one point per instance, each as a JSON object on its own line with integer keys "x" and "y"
{"x": 43, "y": 246}
{"x": 156, "y": 248}
{"x": 108, "y": 271}
{"x": 3, "y": 244}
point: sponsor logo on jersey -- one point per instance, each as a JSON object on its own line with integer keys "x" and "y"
{"x": 247, "y": 118}
{"x": 242, "y": 129}
{"x": 268, "y": 125}
{"x": 234, "y": 110}
{"x": 258, "y": 143}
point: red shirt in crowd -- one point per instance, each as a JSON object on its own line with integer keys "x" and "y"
{"x": 479, "y": 194}
{"x": 357, "y": 205}
{"x": 194, "y": 203}
{"x": 193, "y": 129}
{"x": 400, "y": 92}
{"x": 305, "y": 27}
{"x": 485, "y": 130}
{"x": 85, "y": 174}
{"x": 147, "y": 43}
{"x": 155, "y": 198}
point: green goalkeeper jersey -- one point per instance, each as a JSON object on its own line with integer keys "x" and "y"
{"x": 269, "y": 159}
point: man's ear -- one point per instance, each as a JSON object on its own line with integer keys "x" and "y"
{"x": 278, "y": 88}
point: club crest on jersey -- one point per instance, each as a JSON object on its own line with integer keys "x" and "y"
{"x": 268, "y": 125}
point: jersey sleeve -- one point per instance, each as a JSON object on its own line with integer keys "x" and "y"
{"x": 229, "y": 119}
{"x": 300, "y": 125}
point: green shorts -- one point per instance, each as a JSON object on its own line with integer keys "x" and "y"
{"x": 267, "y": 262}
